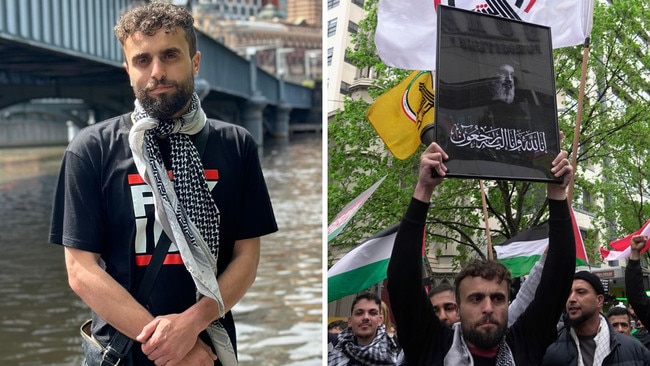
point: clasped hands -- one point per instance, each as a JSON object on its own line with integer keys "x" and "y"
{"x": 173, "y": 340}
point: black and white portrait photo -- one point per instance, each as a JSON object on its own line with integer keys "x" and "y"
{"x": 496, "y": 112}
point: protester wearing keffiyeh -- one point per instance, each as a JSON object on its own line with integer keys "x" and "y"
{"x": 383, "y": 350}
{"x": 184, "y": 207}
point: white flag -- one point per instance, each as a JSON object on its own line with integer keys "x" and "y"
{"x": 406, "y": 29}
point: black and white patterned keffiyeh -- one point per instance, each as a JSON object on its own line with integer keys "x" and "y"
{"x": 460, "y": 355}
{"x": 383, "y": 350}
{"x": 184, "y": 208}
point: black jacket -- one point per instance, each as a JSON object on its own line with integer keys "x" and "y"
{"x": 636, "y": 292}
{"x": 625, "y": 351}
{"x": 426, "y": 341}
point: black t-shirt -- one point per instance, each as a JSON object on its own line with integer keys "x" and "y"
{"x": 103, "y": 206}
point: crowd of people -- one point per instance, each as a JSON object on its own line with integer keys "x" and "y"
{"x": 557, "y": 317}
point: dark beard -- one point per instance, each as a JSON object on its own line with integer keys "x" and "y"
{"x": 163, "y": 107}
{"x": 577, "y": 321}
{"x": 483, "y": 340}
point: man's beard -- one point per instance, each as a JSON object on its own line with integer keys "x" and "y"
{"x": 163, "y": 107}
{"x": 577, "y": 321}
{"x": 483, "y": 340}
{"x": 504, "y": 93}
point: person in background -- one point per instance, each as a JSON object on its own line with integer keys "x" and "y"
{"x": 134, "y": 181}
{"x": 443, "y": 300}
{"x": 620, "y": 319}
{"x": 641, "y": 333}
{"x": 333, "y": 330}
{"x": 588, "y": 338}
{"x": 482, "y": 287}
{"x": 365, "y": 341}
{"x": 634, "y": 289}
{"x": 336, "y": 326}
{"x": 385, "y": 313}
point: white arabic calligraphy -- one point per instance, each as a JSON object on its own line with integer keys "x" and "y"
{"x": 487, "y": 137}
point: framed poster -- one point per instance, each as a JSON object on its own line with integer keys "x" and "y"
{"x": 496, "y": 108}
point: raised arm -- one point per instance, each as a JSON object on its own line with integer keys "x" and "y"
{"x": 538, "y": 322}
{"x": 418, "y": 327}
{"x": 634, "y": 280}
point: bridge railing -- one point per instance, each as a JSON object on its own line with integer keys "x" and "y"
{"x": 77, "y": 26}
{"x": 84, "y": 28}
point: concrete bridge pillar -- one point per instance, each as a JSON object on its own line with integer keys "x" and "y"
{"x": 252, "y": 117}
{"x": 281, "y": 125}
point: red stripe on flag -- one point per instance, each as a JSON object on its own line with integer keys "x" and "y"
{"x": 424, "y": 241}
{"x": 143, "y": 260}
{"x": 581, "y": 252}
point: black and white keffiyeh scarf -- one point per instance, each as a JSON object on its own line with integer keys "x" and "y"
{"x": 383, "y": 350}
{"x": 459, "y": 353}
{"x": 184, "y": 207}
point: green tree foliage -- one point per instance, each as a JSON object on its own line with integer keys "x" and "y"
{"x": 615, "y": 119}
{"x": 613, "y": 134}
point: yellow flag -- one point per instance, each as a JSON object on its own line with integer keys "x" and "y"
{"x": 400, "y": 114}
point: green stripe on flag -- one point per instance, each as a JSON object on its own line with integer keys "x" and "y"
{"x": 520, "y": 266}
{"x": 356, "y": 280}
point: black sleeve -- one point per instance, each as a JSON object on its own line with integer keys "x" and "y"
{"x": 635, "y": 291}
{"x": 418, "y": 328}
{"x": 536, "y": 328}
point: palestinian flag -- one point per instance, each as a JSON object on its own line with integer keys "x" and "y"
{"x": 520, "y": 253}
{"x": 362, "y": 267}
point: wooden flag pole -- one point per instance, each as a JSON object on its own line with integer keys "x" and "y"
{"x": 576, "y": 133}
{"x": 487, "y": 223}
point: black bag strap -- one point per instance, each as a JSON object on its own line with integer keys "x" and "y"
{"x": 119, "y": 345}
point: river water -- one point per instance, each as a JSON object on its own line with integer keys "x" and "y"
{"x": 278, "y": 320}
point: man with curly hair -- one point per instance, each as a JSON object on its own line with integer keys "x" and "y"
{"x": 482, "y": 289}
{"x": 163, "y": 174}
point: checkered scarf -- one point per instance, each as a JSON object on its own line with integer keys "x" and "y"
{"x": 459, "y": 353}
{"x": 184, "y": 208}
{"x": 383, "y": 350}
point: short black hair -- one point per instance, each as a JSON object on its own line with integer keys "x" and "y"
{"x": 619, "y": 310}
{"x": 366, "y": 296}
{"x": 443, "y": 287}
{"x": 337, "y": 324}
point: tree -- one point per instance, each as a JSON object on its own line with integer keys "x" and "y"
{"x": 614, "y": 125}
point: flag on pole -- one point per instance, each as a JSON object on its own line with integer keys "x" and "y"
{"x": 621, "y": 247}
{"x": 344, "y": 216}
{"x": 581, "y": 252}
{"x": 400, "y": 114}
{"x": 520, "y": 253}
{"x": 406, "y": 29}
{"x": 362, "y": 267}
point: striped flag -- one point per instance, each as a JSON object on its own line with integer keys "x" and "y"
{"x": 344, "y": 216}
{"x": 400, "y": 114}
{"x": 621, "y": 247}
{"x": 362, "y": 267}
{"x": 520, "y": 253}
{"x": 406, "y": 29}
